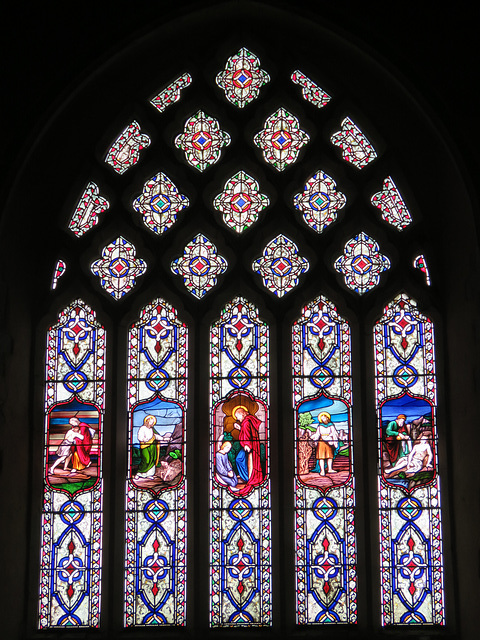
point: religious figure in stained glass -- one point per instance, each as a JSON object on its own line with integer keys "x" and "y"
{"x": 356, "y": 148}
{"x": 242, "y": 78}
{"x": 281, "y": 139}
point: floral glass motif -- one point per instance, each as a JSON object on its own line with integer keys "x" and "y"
{"x": 125, "y": 151}
{"x": 311, "y": 92}
{"x": 58, "y": 272}
{"x": 171, "y": 94}
{"x": 281, "y": 139}
{"x": 362, "y": 263}
{"x": 240, "y": 515}
{"x": 86, "y": 213}
{"x": 356, "y": 149}
{"x": 242, "y": 78}
{"x": 156, "y": 517}
{"x": 325, "y": 544}
{"x": 71, "y": 558}
{"x": 118, "y": 268}
{"x": 280, "y": 265}
{"x": 240, "y": 201}
{"x": 411, "y": 558}
{"x": 391, "y": 204}
{"x": 199, "y": 266}
{"x": 319, "y": 201}
{"x": 160, "y": 203}
{"x": 421, "y": 263}
{"x": 202, "y": 140}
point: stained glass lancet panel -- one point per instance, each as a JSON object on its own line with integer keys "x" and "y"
{"x": 71, "y": 556}
{"x": 156, "y": 519}
{"x": 411, "y": 557}
{"x": 240, "y": 517}
{"x": 325, "y": 541}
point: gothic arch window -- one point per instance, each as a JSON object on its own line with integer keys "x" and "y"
{"x": 248, "y": 240}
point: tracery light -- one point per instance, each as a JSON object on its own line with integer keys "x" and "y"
{"x": 58, "y": 272}
{"x": 171, "y": 94}
{"x": 240, "y": 201}
{"x": 240, "y": 516}
{"x": 280, "y": 265}
{"x": 242, "y": 78}
{"x": 281, "y": 139}
{"x": 311, "y": 92}
{"x": 199, "y": 266}
{"x": 411, "y": 556}
{"x": 202, "y": 140}
{"x": 356, "y": 149}
{"x": 119, "y": 267}
{"x": 89, "y": 207}
{"x": 362, "y": 263}
{"x": 319, "y": 201}
{"x": 421, "y": 263}
{"x": 391, "y": 204}
{"x": 125, "y": 151}
{"x": 160, "y": 203}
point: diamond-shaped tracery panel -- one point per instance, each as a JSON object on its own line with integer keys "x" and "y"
{"x": 202, "y": 140}
{"x": 362, "y": 263}
{"x": 355, "y": 147}
{"x": 199, "y": 266}
{"x": 240, "y": 201}
{"x": 242, "y": 78}
{"x": 280, "y": 265}
{"x": 319, "y": 201}
{"x": 160, "y": 203}
{"x": 281, "y": 139}
{"x": 118, "y": 267}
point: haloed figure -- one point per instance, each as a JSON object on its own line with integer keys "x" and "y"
{"x": 148, "y": 438}
{"x": 326, "y": 437}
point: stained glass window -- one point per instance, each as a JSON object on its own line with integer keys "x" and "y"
{"x": 311, "y": 91}
{"x": 58, "y": 272}
{"x": 160, "y": 203}
{"x": 89, "y": 207}
{"x": 156, "y": 521}
{"x": 171, "y": 94}
{"x": 71, "y": 557}
{"x": 240, "y": 519}
{"x": 242, "y": 78}
{"x": 355, "y": 147}
{"x": 391, "y": 204}
{"x": 200, "y": 265}
{"x": 240, "y": 201}
{"x": 281, "y": 139}
{"x": 319, "y": 201}
{"x": 119, "y": 267}
{"x": 362, "y": 263}
{"x": 280, "y": 265}
{"x": 325, "y": 546}
{"x": 420, "y": 263}
{"x": 125, "y": 151}
{"x": 411, "y": 556}
{"x": 202, "y": 141}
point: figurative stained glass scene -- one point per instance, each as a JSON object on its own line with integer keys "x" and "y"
{"x": 281, "y": 139}
{"x": 240, "y": 555}
{"x": 240, "y": 202}
{"x": 391, "y": 204}
{"x": 202, "y": 141}
{"x": 325, "y": 539}
{"x": 125, "y": 151}
{"x": 86, "y": 213}
{"x": 199, "y": 266}
{"x": 242, "y": 78}
{"x": 356, "y": 149}
{"x": 362, "y": 263}
{"x": 280, "y": 265}
{"x": 71, "y": 558}
{"x": 311, "y": 92}
{"x": 420, "y": 263}
{"x": 118, "y": 268}
{"x": 408, "y": 483}
{"x": 319, "y": 201}
{"x": 156, "y": 520}
{"x": 160, "y": 203}
{"x": 171, "y": 94}
{"x": 58, "y": 273}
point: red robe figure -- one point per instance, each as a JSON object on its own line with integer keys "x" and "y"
{"x": 249, "y": 439}
{"x": 81, "y": 449}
